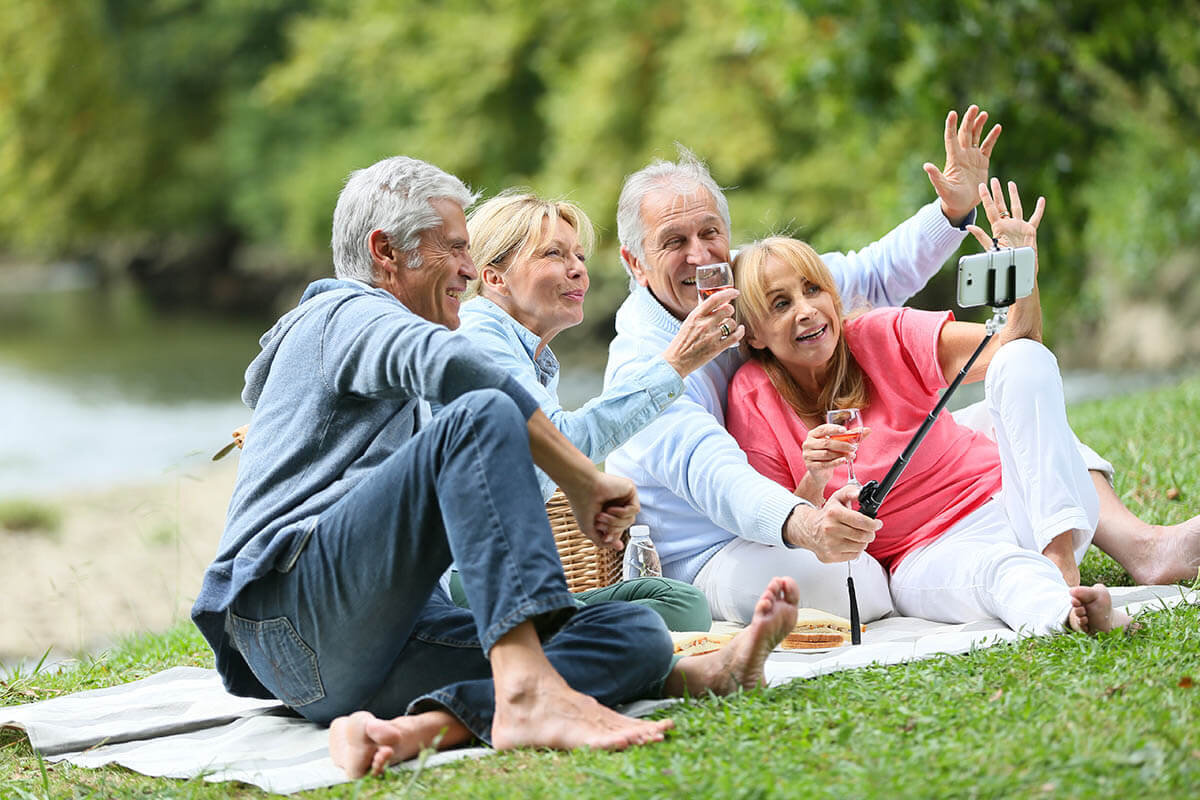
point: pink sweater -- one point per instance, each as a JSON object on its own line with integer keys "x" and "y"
{"x": 953, "y": 472}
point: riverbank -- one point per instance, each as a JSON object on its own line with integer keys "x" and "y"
{"x": 123, "y": 561}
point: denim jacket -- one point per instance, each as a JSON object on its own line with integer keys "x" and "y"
{"x": 604, "y": 422}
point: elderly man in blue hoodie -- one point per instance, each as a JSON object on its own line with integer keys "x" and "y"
{"x": 351, "y": 501}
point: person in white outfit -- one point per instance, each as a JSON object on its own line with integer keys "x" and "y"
{"x": 974, "y": 528}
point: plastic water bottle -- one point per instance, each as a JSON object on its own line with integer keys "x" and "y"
{"x": 641, "y": 559}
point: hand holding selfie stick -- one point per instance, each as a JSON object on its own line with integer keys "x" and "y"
{"x": 1004, "y": 273}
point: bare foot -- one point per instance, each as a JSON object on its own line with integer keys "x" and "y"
{"x": 546, "y": 712}
{"x": 1172, "y": 554}
{"x": 1092, "y": 610}
{"x": 362, "y": 743}
{"x": 536, "y": 708}
{"x": 739, "y": 664}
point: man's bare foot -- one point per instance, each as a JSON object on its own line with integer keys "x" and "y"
{"x": 362, "y": 743}
{"x": 546, "y": 712}
{"x": 1092, "y": 610}
{"x": 739, "y": 664}
{"x": 1171, "y": 554}
{"x": 536, "y": 708}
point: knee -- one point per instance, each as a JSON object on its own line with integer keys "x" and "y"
{"x": 489, "y": 409}
{"x": 1023, "y": 366}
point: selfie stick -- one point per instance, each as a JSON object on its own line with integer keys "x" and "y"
{"x": 872, "y": 494}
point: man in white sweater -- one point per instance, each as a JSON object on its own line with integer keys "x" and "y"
{"x": 716, "y": 522}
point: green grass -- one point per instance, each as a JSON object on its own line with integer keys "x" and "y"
{"x": 1068, "y": 716}
{"x": 29, "y": 516}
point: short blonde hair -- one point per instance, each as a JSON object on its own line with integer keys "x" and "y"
{"x": 847, "y": 386}
{"x": 512, "y": 223}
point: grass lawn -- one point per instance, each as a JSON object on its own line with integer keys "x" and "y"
{"x": 1066, "y": 716}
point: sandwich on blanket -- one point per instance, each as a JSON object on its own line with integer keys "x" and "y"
{"x": 814, "y": 630}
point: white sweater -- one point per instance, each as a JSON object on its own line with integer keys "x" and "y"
{"x": 696, "y": 489}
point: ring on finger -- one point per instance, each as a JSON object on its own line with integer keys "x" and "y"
{"x": 1004, "y": 214}
{"x": 725, "y": 332}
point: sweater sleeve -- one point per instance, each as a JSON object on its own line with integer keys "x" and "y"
{"x": 689, "y": 452}
{"x": 372, "y": 347}
{"x": 893, "y": 269}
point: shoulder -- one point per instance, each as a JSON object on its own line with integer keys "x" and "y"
{"x": 750, "y": 377}
{"x": 881, "y": 324}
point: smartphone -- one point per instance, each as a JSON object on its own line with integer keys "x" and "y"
{"x": 996, "y": 278}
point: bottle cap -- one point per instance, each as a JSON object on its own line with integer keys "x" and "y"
{"x": 639, "y": 532}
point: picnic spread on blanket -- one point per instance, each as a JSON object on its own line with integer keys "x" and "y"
{"x": 181, "y": 723}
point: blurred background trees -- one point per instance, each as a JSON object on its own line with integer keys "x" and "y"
{"x": 197, "y": 148}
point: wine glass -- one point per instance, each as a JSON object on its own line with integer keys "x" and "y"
{"x": 712, "y": 278}
{"x": 851, "y": 420}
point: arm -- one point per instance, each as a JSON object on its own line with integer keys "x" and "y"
{"x": 899, "y": 265}
{"x": 958, "y": 340}
{"x": 604, "y": 505}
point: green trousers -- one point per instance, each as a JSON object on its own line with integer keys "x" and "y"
{"x": 682, "y": 606}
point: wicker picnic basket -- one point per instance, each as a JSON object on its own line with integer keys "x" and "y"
{"x": 585, "y": 565}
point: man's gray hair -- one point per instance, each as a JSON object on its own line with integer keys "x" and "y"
{"x": 393, "y": 196}
{"x": 684, "y": 176}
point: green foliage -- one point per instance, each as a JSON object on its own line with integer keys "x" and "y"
{"x": 29, "y": 516}
{"x": 129, "y": 119}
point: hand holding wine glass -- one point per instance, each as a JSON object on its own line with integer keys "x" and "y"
{"x": 850, "y": 431}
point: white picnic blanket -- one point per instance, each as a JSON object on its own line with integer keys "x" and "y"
{"x": 181, "y": 723}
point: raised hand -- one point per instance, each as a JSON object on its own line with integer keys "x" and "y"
{"x": 1008, "y": 229}
{"x": 967, "y": 161}
{"x": 706, "y": 333}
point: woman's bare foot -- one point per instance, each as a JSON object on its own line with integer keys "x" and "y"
{"x": 362, "y": 743}
{"x": 739, "y": 664}
{"x": 1092, "y": 610}
{"x": 536, "y": 708}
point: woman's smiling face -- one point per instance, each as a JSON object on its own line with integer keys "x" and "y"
{"x": 546, "y": 286}
{"x": 800, "y": 325}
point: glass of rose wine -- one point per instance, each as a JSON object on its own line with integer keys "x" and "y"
{"x": 851, "y": 420}
{"x": 712, "y": 278}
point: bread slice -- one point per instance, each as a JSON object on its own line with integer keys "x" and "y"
{"x": 702, "y": 643}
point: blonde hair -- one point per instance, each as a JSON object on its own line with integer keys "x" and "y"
{"x": 847, "y": 386}
{"x": 512, "y": 223}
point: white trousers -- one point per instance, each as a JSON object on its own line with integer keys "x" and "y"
{"x": 990, "y": 564}
{"x": 735, "y": 577}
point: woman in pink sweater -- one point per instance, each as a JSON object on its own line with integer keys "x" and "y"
{"x": 974, "y": 528}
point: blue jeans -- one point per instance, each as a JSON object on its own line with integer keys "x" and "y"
{"x": 359, "y": 622}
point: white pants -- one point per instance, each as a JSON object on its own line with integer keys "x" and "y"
{"x": 735, "y": 577}
{"x": 990, "y": 564}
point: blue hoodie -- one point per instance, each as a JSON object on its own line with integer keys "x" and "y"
{"x": 335, "y": 391}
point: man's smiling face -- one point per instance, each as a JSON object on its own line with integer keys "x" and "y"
{"x": 683, "y": 231}
{"x": 434, "y": 289}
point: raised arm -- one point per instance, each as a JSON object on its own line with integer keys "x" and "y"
{"x": 959, "y": 339}
{"x": 893, "y": 269}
